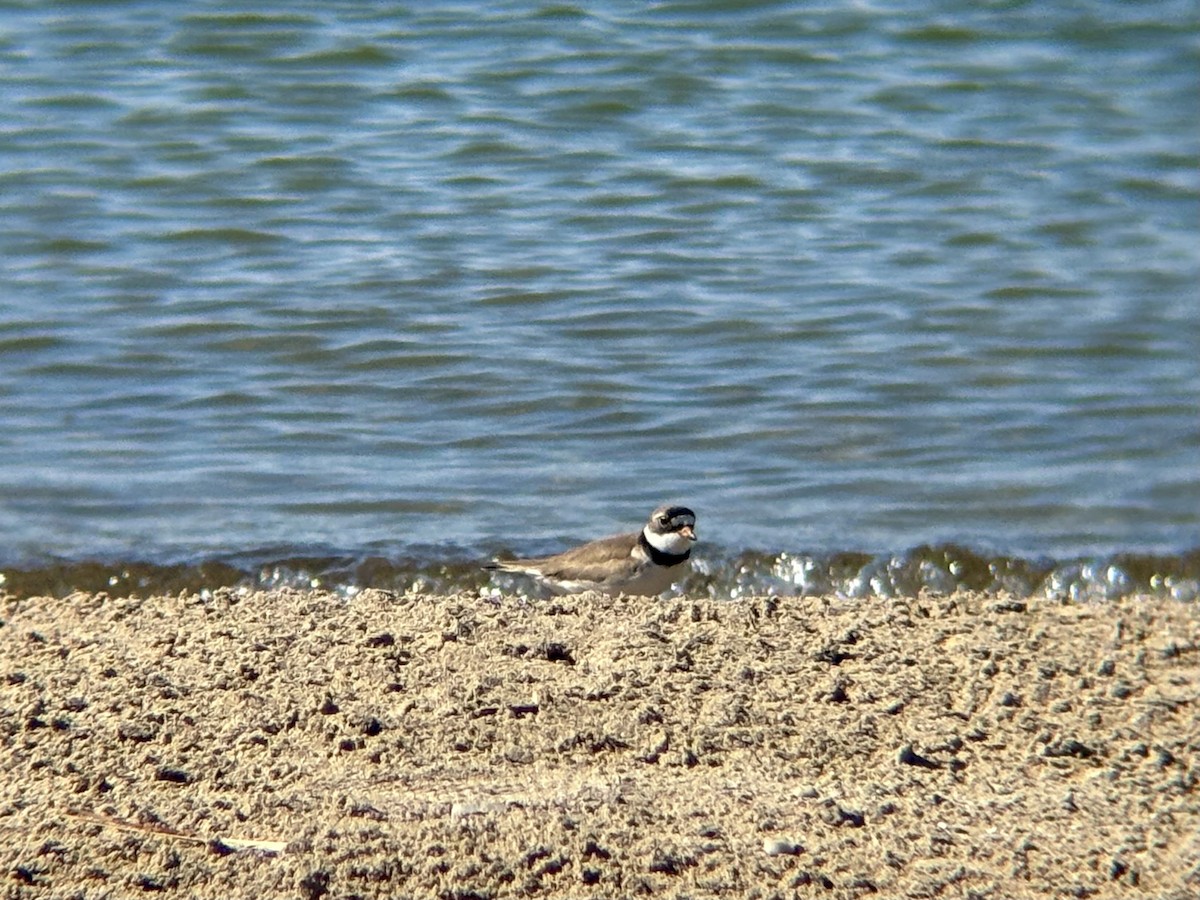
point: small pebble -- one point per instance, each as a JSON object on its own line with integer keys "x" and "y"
{"x": 780, "y": 847}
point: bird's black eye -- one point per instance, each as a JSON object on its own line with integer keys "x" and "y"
{"x": 663, "y": 521}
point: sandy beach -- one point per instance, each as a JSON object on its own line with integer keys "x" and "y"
{"x": 288, "y": 744}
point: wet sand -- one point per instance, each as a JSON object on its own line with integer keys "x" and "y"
{"x": 301, "y": 745}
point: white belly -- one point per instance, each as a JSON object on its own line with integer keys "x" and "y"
{"x": 649, "y": 581}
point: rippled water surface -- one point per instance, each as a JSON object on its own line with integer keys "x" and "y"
{"x": 418, "y": 283}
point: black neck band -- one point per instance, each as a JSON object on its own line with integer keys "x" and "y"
{"x": 661, "y": 557}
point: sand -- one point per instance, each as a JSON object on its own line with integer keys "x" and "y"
{"x": 302, "y": 745}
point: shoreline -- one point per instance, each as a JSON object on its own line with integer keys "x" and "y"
{"x": 301, "y": 744}
{"x": 720, "y": 573}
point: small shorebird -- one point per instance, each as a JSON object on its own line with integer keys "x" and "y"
{"x": 645, "y": 562}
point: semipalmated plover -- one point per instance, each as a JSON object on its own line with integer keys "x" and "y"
{"x": 645, "y": 562}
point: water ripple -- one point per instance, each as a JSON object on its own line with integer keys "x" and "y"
{"x": 937, "y": 570}
{"x": 861, "y": 276}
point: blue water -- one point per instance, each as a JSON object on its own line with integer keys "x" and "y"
{"x": 450, "y": 279}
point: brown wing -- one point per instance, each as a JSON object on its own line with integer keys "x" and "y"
{"x": 596, "y": 561}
